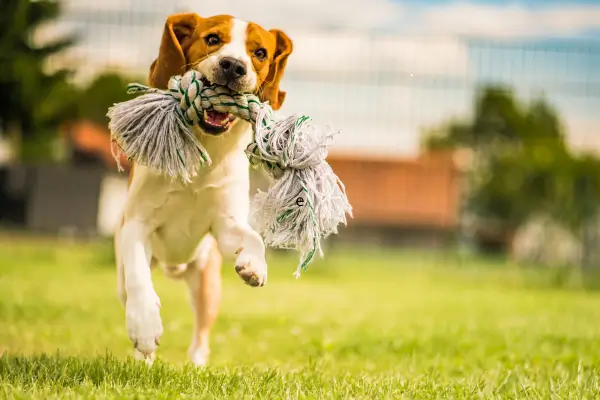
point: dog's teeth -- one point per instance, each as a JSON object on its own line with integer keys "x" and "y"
{"x": 205, "y": 115}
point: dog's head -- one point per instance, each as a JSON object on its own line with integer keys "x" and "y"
{"x": 226, "y": 51}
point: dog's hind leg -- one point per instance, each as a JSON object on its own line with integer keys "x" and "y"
{"x": 203, "y": 277}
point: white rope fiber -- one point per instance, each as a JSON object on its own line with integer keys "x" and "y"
{"x": 306, "y": 203}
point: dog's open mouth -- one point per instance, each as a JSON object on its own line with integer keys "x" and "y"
{"x": 215, "y": 122}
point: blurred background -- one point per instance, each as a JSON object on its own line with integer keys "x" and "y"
{"x": 470, "y": 125}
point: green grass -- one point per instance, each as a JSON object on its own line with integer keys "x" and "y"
{"x": 361, "y": 324}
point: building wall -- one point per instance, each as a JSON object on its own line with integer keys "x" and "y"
{"x": 417, "y": 193}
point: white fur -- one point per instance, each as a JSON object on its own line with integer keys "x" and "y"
{"x": 142, "y": 303}
{"x": 174, "y": 223}
{"x": 167, "y": 220}
{"x": 236, "y": 48}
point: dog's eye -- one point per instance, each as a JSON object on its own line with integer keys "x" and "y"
{"x": 261, "y": 54}
{"x": 212, "y": 39}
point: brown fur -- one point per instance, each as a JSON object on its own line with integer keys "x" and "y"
{"x": 182, "y": 46}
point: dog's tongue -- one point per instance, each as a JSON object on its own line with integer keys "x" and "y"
{"x": 216, "y": 117}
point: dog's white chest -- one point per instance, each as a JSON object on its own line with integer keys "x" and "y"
{"x": 180, "y": 223}
{"x": 176, "y": 215}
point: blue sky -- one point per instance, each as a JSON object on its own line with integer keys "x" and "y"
{"x": 527, "y": 3}
{"x": 531, "y": 3}
{"x": 436, "y": 50}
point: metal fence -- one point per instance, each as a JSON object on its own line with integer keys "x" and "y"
{"x": 381, "y": 90}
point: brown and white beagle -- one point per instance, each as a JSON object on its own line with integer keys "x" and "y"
{"x": 186, "y": 228}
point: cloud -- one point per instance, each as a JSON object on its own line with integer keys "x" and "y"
{"x": 421, "y": 39}
{"x": 118, "y": 5}
{"x": 506, "y": 22}
{"x": 357, "y": 14}
{"x": 340, "y": 42}
{"x": 355, "y": 52}
{"x": 350, "y": 48}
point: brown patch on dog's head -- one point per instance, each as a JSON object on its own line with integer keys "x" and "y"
{"x": 181, "y": 45}
{"x": 226, "y": 51}
{"x": 276, "y": 47}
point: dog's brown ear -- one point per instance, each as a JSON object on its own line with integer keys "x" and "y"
{"x": 171, "y": 57}
{"x": 270, "y": 89}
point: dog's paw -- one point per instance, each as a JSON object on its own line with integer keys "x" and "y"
{"x": 147, "y": 359}
{"x": 253, "y": 270}
{"x": 144, "y": 325}
{"x": 199, "y": 356}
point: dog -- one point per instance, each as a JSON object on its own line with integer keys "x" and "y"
{"x": 188, "y": 229}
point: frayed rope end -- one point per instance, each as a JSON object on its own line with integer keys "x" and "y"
{"x": 151, "y": 129}
{"x": 307, "y": 201}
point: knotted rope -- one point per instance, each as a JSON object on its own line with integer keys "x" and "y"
{"x": 307, "y": 201}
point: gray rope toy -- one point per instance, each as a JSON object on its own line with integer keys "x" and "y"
{"x": 155, "y": 130}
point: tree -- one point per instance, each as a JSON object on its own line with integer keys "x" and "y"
{"x": 34, "y": 101}
{"x": 522, "y": 165}
{"x": 104, "y": 91}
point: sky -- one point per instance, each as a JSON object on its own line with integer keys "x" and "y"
{"x": 385, "y": 69}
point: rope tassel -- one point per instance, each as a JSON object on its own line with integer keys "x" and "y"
{"x": 306, "y": 203}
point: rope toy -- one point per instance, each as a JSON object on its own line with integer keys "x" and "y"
{"x": 307, "y": 201}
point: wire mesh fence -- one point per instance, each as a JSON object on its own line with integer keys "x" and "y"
{"x": 386, "y": 88}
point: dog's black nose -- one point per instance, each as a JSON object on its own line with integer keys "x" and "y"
{"x": 232, "y": 68}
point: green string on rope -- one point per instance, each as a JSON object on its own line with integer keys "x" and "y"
{"x": 307, "y": 201}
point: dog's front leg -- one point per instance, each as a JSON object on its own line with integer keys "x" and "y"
{"x": 142, "y": 306}
{"x": 236, "y": 238}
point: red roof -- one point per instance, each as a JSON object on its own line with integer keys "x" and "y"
{"x": 94, "y": 139}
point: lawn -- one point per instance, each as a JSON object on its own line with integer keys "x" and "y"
{"x": 359, "y": 324}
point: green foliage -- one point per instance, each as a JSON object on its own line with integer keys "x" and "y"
{"x": 29, "y": 103}
{"x": 36, "y": 101}
{"x": 380, "y": 324}
{"x": 106, "y": 89}
{"x": 522, "y": 162}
